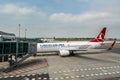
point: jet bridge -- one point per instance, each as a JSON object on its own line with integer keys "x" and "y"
{"x": 17, "y": 51}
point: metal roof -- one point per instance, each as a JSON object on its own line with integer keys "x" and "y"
{"x": 4, "y": 33}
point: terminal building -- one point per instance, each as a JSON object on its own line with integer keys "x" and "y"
{"x": 7, "y": 36}
{"x": 3, "y": 38}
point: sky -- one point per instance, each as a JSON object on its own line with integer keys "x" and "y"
{"x": 60, "y": 18}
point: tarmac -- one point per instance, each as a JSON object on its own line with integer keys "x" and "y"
{"x": 96, "y": 66}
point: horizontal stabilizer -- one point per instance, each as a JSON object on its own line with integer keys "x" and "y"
{"x": 111, "y": 47}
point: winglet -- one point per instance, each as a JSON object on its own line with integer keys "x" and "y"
{"x": 100, "y": 37}
{"x": 111, "y": 47}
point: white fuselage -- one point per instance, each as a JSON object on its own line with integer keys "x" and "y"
{"x": 70, "y": 46}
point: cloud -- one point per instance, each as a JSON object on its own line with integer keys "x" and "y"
{"x": 12, "y": 9}
{"x": 62, "y": 17}
{"x": 79, "y": 18}
{"x": 84, "y": 23}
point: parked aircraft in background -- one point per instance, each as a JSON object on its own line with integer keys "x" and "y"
{"x": 68, "y": 48}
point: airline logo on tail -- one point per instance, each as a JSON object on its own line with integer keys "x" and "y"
{"x": 100, "y": 37}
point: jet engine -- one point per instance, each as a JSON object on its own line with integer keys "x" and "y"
{"x": 64, "y": 53}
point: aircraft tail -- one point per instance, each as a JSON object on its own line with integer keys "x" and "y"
{"x": 100, "y": 37}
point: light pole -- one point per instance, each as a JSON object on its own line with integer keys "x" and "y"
{"x": 19, "y": 29}
{"x": 25, "y": 33}
{"x": 17, "y": 44}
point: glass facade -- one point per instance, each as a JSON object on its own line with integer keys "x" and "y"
{"x": 10, "y": 47}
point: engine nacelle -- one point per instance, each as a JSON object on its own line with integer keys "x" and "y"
{"x": 64, "y": 53}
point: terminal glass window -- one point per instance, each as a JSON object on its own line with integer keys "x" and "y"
{"x": 1, "y": 48}
{"x": 13, "y": 48}
{"x": 6, "y": 48}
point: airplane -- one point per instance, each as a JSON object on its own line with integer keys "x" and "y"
{"x": 67, "y": 48}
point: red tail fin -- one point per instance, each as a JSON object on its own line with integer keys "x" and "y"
{"x": 100, "y": 37}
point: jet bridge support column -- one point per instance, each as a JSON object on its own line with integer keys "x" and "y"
{"x": 17, "y": 42}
